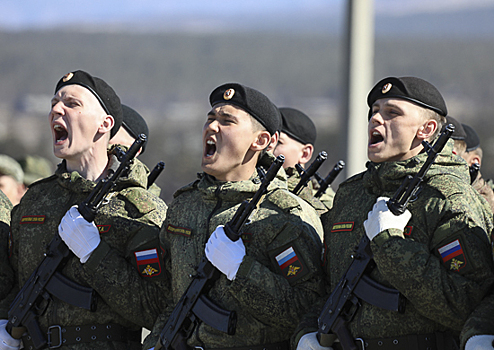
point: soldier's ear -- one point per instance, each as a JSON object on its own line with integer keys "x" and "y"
{"x": 106, "y": 124}
{"x": 262, "y": 140}
{"x": 427, "y": 129}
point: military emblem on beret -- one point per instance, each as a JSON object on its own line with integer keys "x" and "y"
{"x": 67, "y": 77}
{"x": 228, "y": 95}
{"x": 386, "y": 88}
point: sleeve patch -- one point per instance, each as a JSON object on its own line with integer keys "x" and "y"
{"x": 342, "y": 226}
{"x": 148, "y": 262}
{"x": 453, "y": 256}
{"x": 290, "y": 263}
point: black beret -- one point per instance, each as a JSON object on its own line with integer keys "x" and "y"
{"x": 298, "y": 126}
{"x": 135, "y": 124}
{"x": 100, "y": 89}
{"x": 252, "y": 101}
{"x": 459, "y": 133}
{"x": 412, "y": 89}
{"x": 472, "y": 139}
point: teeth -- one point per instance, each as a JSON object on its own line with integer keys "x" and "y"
{"x": 210, "y": 142}
{"x": 375, "y": 133}
{"x": 58, "y": 127}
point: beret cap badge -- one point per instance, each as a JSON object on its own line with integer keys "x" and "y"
{"x": 228, "y": 95}
{"x": 67, "y": 77}
{"x": 386, "y": 88}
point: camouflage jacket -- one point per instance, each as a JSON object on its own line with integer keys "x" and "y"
{"x": 442, "y": 266}
{"x": 268, "y": 296}
{"x": 130, "y": 291}
{"x": 6, "y": 273}
{"x": 307, "y": 192}
{"x": 484, "y": 189}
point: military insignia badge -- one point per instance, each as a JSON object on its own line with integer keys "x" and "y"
{"x": 453, "y": 256}
{"x": 148, "y": 262}
{"x": 228, "y": 94}
{"x": 342, "y": 226}
{"x": 33, "y": 219}
{"x": 408, "y": 230}
{"x": 290, "y": 264}
{"x": 182, "y": 231}
{"x": 386, "y": 88}
{"x": 67, "y": 77}
{"x": 103, "y": 228}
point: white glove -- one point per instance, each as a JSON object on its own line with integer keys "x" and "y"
{"x": 223, "y": 253}
{"x": 380, "y": 218}
{"x": 480, "y": 342}
{"x": 6, "y": 340}
{"x": 309, "y": 342}
{"x": 81, "y": 237}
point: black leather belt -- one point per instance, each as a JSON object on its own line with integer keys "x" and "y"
{"x": 284, "y": 345}
{"x": 432, "y": 341}
{"x": 60, "y": 335}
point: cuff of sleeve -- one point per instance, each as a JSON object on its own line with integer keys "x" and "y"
{"x": 300, "y": 334}
{"x": 97, "y": 256}
{"x": 242, "y": 273}
{"x": 384, "y": 236}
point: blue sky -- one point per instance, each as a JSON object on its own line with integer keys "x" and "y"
{"x": 34, "y": 14}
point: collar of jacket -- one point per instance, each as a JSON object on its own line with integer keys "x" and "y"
{"x": 136, "y": 176}
{"x": 389, "y": 175}
{"x": 240, "y": 190}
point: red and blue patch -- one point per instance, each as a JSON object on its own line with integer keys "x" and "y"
{"x": 289, "y": 263}
{"x": 148, "y": 262}
{"x": 453, "y": 255}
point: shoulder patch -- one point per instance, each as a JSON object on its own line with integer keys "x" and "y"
{"x": 140, "y": 198}
{"x": 186, "y": 188}
{"x": 148, "y": 262}
{"x": 453, "y": 256}
{"x": 289, "y": 263}
{"x": 283, "y": 199}
{"x": 343, "y": 226}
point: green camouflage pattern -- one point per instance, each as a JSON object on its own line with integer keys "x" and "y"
{"x": 307, "y": 192}
{"x": 268, "y": 305}
{"x": 6, "y": 273}
{"x": 439, "y": 295}
{"x": 129, "y": 221}
{"x": 481, "y": 321}
{"x": 327, "y": 197}
{"x": 482, "y": 187}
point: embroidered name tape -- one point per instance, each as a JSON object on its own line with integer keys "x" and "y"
{"x": 179, "y": 230}
{"x": 342, "y": 226}
{"x": 33, "y": 219}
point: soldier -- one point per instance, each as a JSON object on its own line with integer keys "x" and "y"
{"x": 35, "y": 168}
{"x": 436, "y": 254}
{"x": 6, "y": 273}
{"x": 117, "y": 255}
{"x": 133, "y": 124}
{"x": 296, "y": 143}
{"x": 467, "y": 146}
{"x": 11, "y": 177}
{"x": 268, "y": 296}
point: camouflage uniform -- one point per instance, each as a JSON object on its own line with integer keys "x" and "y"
{"x": 129, "y": 223}
{"x": 484, "y": 189}
{"x": 6, "y": 273}
{"x": 307, "y": 192}
{"x": 441, "y": 289}
{"x": 269, "y": 300}
{"x": 327, "y": 197}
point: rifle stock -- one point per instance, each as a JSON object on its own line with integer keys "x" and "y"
{"x": 194, "y": 304}
{"x": 356, "y": 285}
{"x": 47, "y": 279}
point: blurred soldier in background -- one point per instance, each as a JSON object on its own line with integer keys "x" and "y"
{"x": 296, "y": 143}
{"x": 11, "y": 179}
{"x": 35, "y": 168}
{"x": 6, "y": 272}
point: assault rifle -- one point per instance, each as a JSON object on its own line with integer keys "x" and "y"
{"x": 311, "y": 171}
{"x": 153, "y": 175}
{"x": 47, "y": 280}
{"x": 356, "y": 285}
{"x": 194, "y": 305}
{"x": 328, "y": 180}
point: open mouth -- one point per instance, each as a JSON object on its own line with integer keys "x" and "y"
{"x": 210, "y": 148}
{"x": 61, "y": 133}
{"x": 375, "y": 137}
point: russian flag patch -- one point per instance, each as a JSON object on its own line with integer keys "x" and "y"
{"x": 289, "y": 263}
{"x": 453, "y": 256}
{"x": 148, "y": 262}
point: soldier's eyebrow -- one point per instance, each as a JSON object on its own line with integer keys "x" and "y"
{"x": 222, "y": 114}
